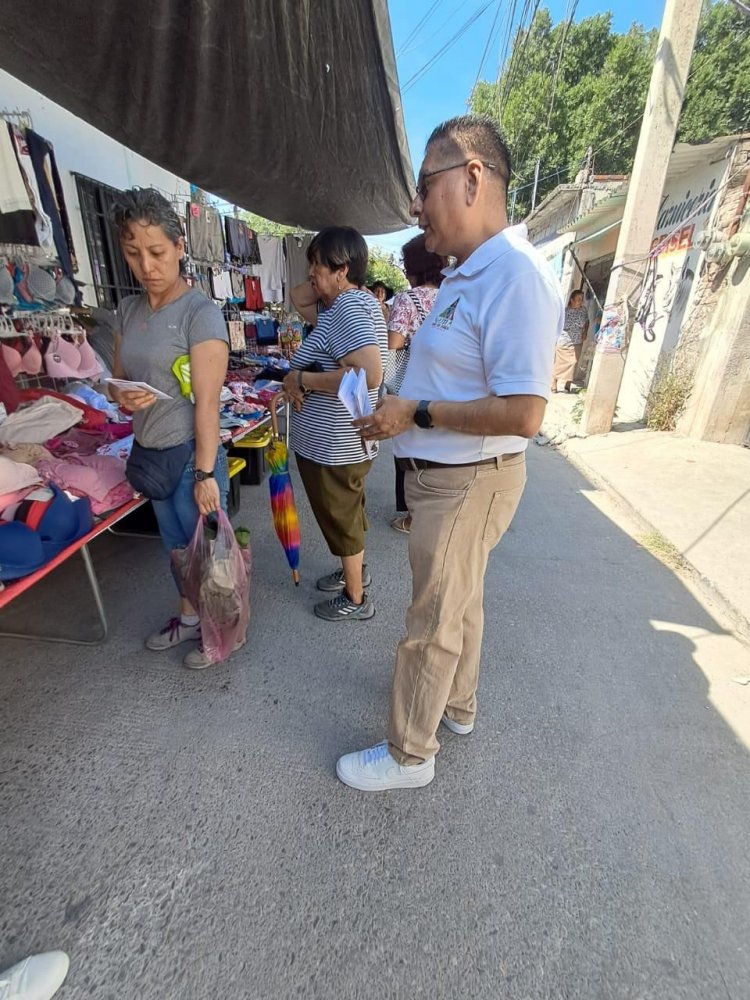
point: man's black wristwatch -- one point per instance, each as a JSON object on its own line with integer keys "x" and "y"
{"x": 422, "y": 416}
{"x": 200, "y": 475}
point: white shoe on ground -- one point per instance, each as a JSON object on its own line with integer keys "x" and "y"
{"x": 172, "y": 634}
{"x": 375, "y": 770}
{"x": 197, "y": 659}
{"x": 456, "y": 727}
{"x": 35, "y": 978}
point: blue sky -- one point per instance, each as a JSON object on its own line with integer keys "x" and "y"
{"x": 442, "y": 92}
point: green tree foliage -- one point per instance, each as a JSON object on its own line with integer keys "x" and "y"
{"x": 383, "y": 266}
{"x": 265, "y": 226}
{"x": 717, "y": 100}
{"x": 568, "y": 88}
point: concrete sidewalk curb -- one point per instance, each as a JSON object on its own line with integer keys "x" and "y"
{"x": 678, "y": 561}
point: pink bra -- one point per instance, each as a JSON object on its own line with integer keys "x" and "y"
{"x": 90, "y": 367}
{"x": 29, "y": 363}
{"x": 66, "y": 360}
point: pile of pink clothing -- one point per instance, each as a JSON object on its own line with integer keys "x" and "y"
{"x": 101, "y": 478}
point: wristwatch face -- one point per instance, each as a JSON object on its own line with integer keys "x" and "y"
{"x": 422, "y": 415}
{"x": 200, "y": 475}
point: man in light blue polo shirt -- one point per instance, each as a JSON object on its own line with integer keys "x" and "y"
{"x": 474, "y": 393}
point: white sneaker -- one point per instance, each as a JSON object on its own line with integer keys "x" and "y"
{"x": 35, "y": 978}
{"x": 375, "y": 770}
{"x": 456, "y": 727}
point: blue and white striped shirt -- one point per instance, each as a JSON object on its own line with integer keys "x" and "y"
{"x": 322, "y": 431}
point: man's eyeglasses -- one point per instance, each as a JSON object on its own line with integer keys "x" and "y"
{"x": 422, "y": 188}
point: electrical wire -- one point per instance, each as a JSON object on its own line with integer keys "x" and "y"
{"x": 426, "y": 41}
{"x": 486, "y": 47}
{"x": 446, "y": 47}
{"x": 417, "y": 27}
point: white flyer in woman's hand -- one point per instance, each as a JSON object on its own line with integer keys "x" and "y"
{"x": 127, "y": 386}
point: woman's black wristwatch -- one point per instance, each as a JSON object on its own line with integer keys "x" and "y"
{"x": 200, "y": 475}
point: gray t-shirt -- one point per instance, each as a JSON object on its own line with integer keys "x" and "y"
{"x": 151, "y": 343}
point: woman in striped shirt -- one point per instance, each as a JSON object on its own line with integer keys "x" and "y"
{"x": 349, "y": 333}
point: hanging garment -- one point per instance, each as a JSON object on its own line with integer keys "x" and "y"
{"x": 29, "y": 363}
{"x": 253, "y": 250}
{"x": 17, "y": 220}
{"x": 10, "y": 395}
{"x": 62, "y": 359}
{"x": 236, "y": 244}
{"x": 221, "y": 284}
{"x": 53, "y": 200}
{"x": 271, "y": 272}
{"x": 297, "y": 265}
{"x": 205, "y": 238}
{"x": 238, "y": 285}
{"x": 13, "y": 194}
{"x": 42, "y": 221}
{"x": 253, "y": 294}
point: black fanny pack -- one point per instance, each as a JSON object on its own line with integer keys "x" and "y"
{"x": 156, "y": 473}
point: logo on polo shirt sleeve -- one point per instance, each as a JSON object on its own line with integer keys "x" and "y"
{"x": 444, "y": 320}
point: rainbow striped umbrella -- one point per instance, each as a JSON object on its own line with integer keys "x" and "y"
{"x": 283, "y": 507}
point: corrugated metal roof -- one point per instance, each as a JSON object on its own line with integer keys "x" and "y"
{"x": 604, "y": 212}
{"x": 686, "y": 156}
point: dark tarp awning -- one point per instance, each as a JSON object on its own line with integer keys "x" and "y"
{"x": 290, "y": 108}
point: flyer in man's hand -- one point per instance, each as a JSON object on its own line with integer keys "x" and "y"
{"x": 355, "y": 397}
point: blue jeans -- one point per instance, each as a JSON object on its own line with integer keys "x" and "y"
{"x": 178, "y": 516}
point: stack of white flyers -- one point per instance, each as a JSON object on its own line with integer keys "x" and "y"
{"x": 355, "y": 397}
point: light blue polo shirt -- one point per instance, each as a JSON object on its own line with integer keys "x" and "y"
{"x": 492, "y": 331}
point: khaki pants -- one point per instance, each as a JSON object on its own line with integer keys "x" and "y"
{"x": 458, "y": 516}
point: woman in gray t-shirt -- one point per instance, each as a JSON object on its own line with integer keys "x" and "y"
{"x": 167, "y": 320}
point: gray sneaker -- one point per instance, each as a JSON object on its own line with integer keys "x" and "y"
{"x": 343, "y": 608}
{"x": 173, "y": 633}
{"x": 334, "y": 582}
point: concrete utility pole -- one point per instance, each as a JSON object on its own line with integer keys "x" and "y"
{"x": 658, "y": 130}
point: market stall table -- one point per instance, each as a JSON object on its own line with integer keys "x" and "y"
{"x": 15, "y": 588}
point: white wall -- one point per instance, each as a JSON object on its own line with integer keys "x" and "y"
{"x": 84, "y": 149}
{"x": 688, "y": 204}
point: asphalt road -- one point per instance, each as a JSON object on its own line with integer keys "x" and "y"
{"x": 183, "y": 836}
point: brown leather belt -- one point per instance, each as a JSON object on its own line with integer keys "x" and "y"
{"x": 415, "y": 464}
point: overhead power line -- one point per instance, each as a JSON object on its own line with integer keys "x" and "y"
{"x": 417, "y": 27}
{"x": 447, "y": 46}
{"x": 487, "y": 46}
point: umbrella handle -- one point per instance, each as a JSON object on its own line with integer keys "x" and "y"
{"x": 273, "y": 406}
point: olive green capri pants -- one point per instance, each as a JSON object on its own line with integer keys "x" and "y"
{"x": 337, "y": 497}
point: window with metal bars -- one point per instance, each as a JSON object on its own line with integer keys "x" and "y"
{"x": 113, "y": 279}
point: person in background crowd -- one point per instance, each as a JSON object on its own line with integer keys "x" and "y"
{"x": 382, "y": 293}
{"x": 409, "y": 310}
{"x": 36, "y": 978}
{"x": 474, "y": 393}
{"x": 570, "y": 342}
{"x": 333, "y": 464}
{"x": 167, "y": 320}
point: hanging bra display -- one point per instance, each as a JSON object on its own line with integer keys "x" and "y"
{"x": 28, "y": 363}
{"x": 71, "y": 359}
{"x": 68, "y": 354}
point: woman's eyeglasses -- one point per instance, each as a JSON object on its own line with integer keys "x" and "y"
{"x": 422, "y": 188}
